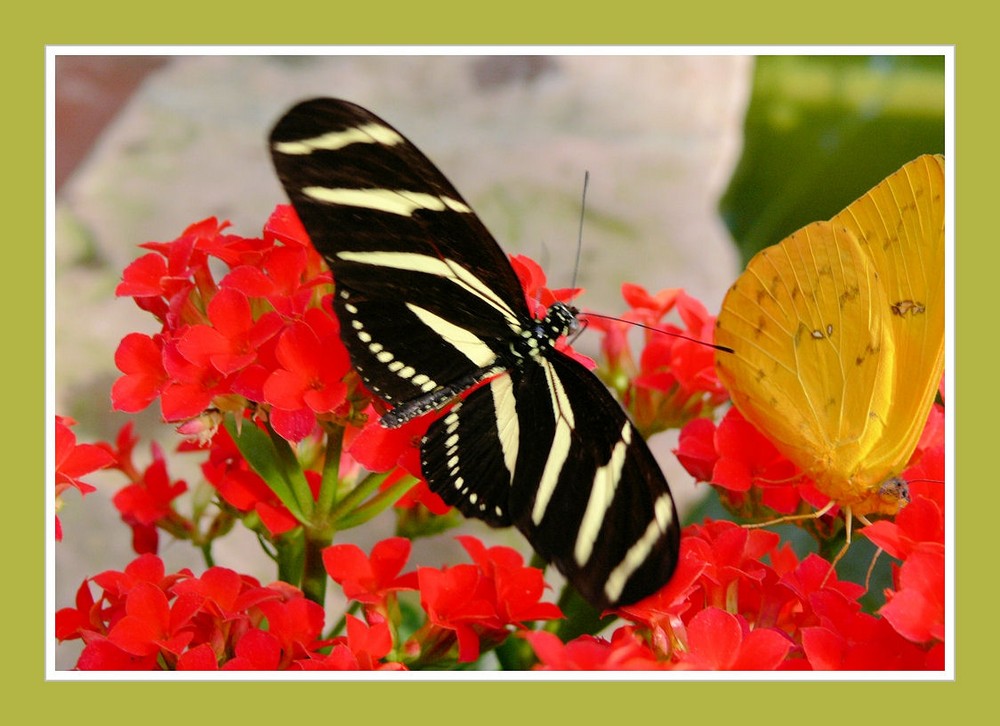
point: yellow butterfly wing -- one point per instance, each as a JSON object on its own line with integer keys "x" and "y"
{"x": 838, "y": 333}
{"x": 900, "y": 224}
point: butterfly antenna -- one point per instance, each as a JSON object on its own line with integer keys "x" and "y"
{"x": 579, "y": 235}
{"x": 576, "y": 270}
{"x": 723, "y": 348}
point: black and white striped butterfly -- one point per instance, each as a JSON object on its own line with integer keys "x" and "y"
{"x": 430, "y": 307}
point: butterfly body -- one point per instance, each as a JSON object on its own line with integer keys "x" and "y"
{"x": 432, "y": 315}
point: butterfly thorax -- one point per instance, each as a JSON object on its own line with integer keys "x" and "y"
{"x": 541, "y": 335}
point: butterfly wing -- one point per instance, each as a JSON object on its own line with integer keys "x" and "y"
{"x": 420, "y": 306}
{"x": 547, "y": 448}
{"x": 832, "y": 359}
{"x": 900, "y": 225}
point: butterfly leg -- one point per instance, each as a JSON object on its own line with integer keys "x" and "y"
{"x": 793, "y": 517}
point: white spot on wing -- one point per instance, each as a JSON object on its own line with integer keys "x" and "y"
{"x": 663, "y": 513}
{"x": 508, "y": 426}
{"x": 444, "y": 268}
{"x": 394, "y": 201}
{"x": 372, "y": 133}
{"x": 602, "y": 493}
{"x": 461, "y": 339}
{"x": 561, "y": 442}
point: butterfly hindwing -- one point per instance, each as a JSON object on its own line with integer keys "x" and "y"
{"x": 429, "y": 308}
{"x": 579, "y": 481}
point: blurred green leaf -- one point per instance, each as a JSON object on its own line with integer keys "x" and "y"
{"x": 822, "y": 130}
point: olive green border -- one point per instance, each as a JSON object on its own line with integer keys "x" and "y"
{"x": 467, "y": 22}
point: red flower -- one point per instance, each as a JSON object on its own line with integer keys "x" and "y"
{"x": 735, "y": 457}
{"x": 848, "y": 639}
{"x": 370, "y": 580}
{"x": 244, "y": 489}
{"x": 162, "y": 282}
{"x": 362, "y": 649}
{"x": 625, "y": 651}
{"x": 721, "y": 641}
{"x": 455, "y": 600}
{"x": 230, "y": 343}
{"x": 199, "y": 658}
{"x": 140, "y": 358}
{"x": 100, "y": 654}
{"x": 147, "y": 501}
{"x": 193, "y": 383}
{"x": 296, "y": 623}
{"x": 916, "y": 608}
{"x": 518, "y": 589}
{"x": 151, "y": 624}
{"x": 73, "y": 461}
{"x": 696, "y": 449}
{"x": 310, "y": 379}
{"x": 920, "y": 521}
{"x": 71, "y": 623}
{"x": 380, "y": 449}
{"x": 476, "y": 603}
{"x": 258, "y": 650}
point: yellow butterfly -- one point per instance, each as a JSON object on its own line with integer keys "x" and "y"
{"x": 838, "y": 339}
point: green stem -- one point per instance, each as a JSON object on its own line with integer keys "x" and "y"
{"x": 377, "y": 504}
{"x": 313, "y": 573}
{"x": 206, "y": 552}
{"x": 357, "y": 495}
{"x": 330, "y": 482}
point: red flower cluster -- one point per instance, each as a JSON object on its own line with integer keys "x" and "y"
{"x": 756, "y": 481}
{"x": 301, "y": 456}
{"x": 471, "y": 606}
{"x": 740, "y": 600}
{"x": 145, "y": 619}
{"x": 674, "y": 380}
{"x": 256, "y": 336}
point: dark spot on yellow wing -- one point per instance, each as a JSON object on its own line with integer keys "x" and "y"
{"x": 760, "y": 375}
{"x": 905, "y": 307}
{"x": 848, "y": 295}
{"x": 825, "y": 271}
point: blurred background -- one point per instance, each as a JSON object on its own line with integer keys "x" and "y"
{"x": 695, "y": 162}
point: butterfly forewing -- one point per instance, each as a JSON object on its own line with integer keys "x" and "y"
{"x": 391, "y": 226}
{"x": 429, "y": 307}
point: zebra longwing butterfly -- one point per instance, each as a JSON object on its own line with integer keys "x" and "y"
{"x": 429, "y": 308}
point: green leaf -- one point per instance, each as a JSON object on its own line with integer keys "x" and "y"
{"x": 274, "y": 468}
